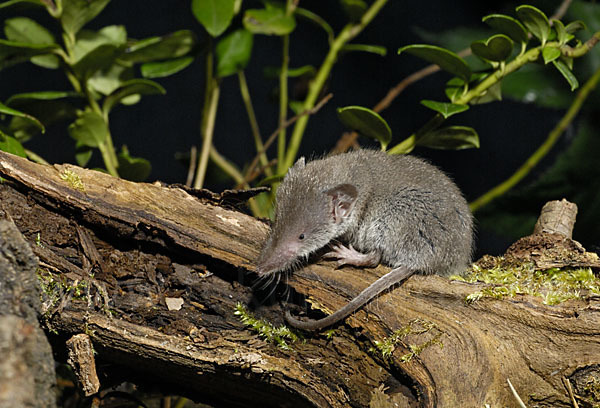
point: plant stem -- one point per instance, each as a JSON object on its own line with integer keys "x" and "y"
{"x": 107, "y": 149}
{"x": 35, "y": 157}
{"x": 208, "y": 80}
{"x": 207, "y": 108}
{"x": 207, "y": 134}
{"x": 533, "y": 54}
{"x": 231, "y": 170}
{"x": 253, "y": 122}
{"x": 544, "y": 148}
{"x": 283, "y": 102}
{"x": 348, "y": 33}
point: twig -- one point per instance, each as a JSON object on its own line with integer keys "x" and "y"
{"x": 285, "y": 124}
{"x": 347, "y": 141}
{"x": 561, "y": 10}
{"x": 567, "y": 384}
{"x": 348, "y": 33}
{"x": 192, "y": 166}
{"x": 209, "y": 127}
{"x": 544, "y": 148}
{"x": 519, "y": 400}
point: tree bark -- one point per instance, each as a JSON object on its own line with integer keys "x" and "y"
{"x": 123, "y": 248}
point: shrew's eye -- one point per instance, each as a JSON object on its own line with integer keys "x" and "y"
{"x": 301, "y": 237}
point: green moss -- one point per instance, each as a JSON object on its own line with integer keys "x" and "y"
{"x": 38, "y": 240}
{"x": 55, "y": 287}
{"x": 275, "y": 335}
{"x": 73, "y": 179}
{"x": 553, "y": 285}
{"x": 387, "y": 346}
{"x": 592, "y": 392}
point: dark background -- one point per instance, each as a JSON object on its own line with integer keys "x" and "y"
{"x": 159, "y": 127}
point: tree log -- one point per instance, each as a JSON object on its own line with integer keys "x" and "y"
{"x": 123, "y": 248}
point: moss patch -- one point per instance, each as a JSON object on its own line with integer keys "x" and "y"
{"x": 387, "y": 346}
{"x": 554, "y": 285}
{"x": 275, "y": 335}
{"x": 73, "y": 179}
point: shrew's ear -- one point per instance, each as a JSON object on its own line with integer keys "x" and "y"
{"x": 343, "y": 197}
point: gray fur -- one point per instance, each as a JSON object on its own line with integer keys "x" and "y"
{"x": 404, "y": 209}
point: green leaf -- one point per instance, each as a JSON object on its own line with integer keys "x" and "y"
{"x": 457, "y": 38}
{"x": 354, "y": 9}
{"x": 87, "y": 40}
{"x": 366, "y": 122}
{"x": 77, "y": 13}
{"x": 13, "y": 2}
{"x": 46, "y": 61}
{"x": 535, "y": 21}
{"x": 133, "y": 168}
{"x": 11, "y": 145}
{"x": 316, "y": 19}
{"x": 446, "y": 109}
{"x": 496, "y": 48}
{"x": 233, "y": 52}
{"x": 445, "y": 59}
{"x": 272, "y": 21}
{"x": 492, "y": 94}
{"x": 107, "y": 80}
{"x": 273, "y": 72}
{"x": 100, "y": 58}
{"x": 575, "y": 26}
{"x": 214, "y": 15}
{"x": 568, "y": 61}
{"x": 507, "y": 25}
{"x": 451, "y": 138}
{"x": 13, "y": 52}
{"x": 89, "y": 129}
{"x": 6, "y": 110}
{"x": 561, "y": 32}
{"x": 373, "y": 49}
{"x": 26, "y": 30}
{"x": 550, "y": 54}
{"x": 41, "y": 96}
{"x": 165, "y": 68}
{"x": 169, "y": 46}
{"x": 276, "y": 178}
{"x": 133, "y": 87}
{"x": 83, "y": 154}
{"x": 566, "y": 72}
{"x": 47, "y": 111}
{"x": 296, "y": 106}
{"x": 454, "y": 88}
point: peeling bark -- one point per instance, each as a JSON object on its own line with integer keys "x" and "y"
{"x": 127, "y": 246}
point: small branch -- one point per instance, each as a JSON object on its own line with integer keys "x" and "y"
{"x": 582, "y": 49}
{"x": 347, "y": 141}
{"x": 192, "y": 167}
{"x": 244, "y": 90}
{"x": 232, "y": 171}
{"x": 287, "y": 123}
{"x": 283, "y": 93}
{"x": 411, "y": 79}
{"x": 561, "y": 10}
{"x": 514, "y": 392}
{"x": 544, "y": 148}
{"x": 567, "y": 384}
{"x": 207, "y": 135}
{"x": 347, "y": 34}
{"x": 229, "y": 168}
